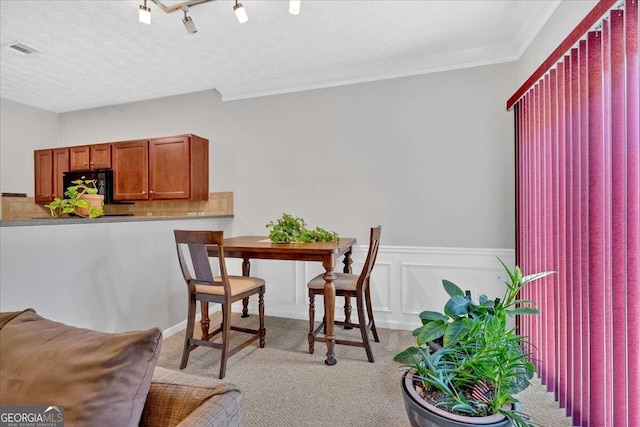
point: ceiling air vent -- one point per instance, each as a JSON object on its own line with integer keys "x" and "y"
{"x": 21, "y": 48}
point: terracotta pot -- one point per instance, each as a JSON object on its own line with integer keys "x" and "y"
{"x": 96, "y": 200}
{"x": 423, "y": 414}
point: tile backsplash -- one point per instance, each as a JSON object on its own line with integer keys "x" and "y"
{"x": 219, "y": 204}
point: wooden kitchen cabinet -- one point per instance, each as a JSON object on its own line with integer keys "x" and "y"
{"x": 60, "y": 166}
{"x": 162, "y": 169}
{"x": 131, "y": 170}
{"x": 88, "y": 157}
{"x": 50, "y": 164}
{"x": 179, "y": 168}
{"x": 171, "y": 168}
{"x": 43, "y": 160}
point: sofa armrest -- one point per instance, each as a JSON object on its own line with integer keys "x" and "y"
{"x": 178, "y": 399}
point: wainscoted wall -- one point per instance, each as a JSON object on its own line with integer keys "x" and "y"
{"x": 405, "y": 281}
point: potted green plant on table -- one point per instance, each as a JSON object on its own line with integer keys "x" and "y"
{"x": 468, "y": 362}
{"x": 81, "y": 198}
{"x": 290, "y": 229}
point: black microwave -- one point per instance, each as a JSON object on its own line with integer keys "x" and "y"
{"x": 103, "y": 178}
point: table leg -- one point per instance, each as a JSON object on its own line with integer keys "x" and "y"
{"x": 329, "y": 309}
{"x": 347, "y": 261}
{"x": 204, "y": 320}
{"x": 246, "y": 268}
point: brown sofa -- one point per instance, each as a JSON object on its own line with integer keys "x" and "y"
{"x": 104, "y": 379}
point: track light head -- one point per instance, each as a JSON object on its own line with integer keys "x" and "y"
{"x": 241, "y": 13}
{"x": 294, "y": 7}
{"x": 144, "y": 14}
{"x": 188, "y": 24}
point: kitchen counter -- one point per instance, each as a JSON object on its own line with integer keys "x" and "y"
{"x": 101, "y": 220}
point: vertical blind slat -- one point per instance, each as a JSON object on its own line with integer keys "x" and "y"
{"x": 595, "y": 227}
{"x": 561, "y": 236}
{"x": 633, "y": 208}
{"x": 576, "y": 251}
{"x": 606, "y": 134}
{"x": 584, "y": 228}
{"x": 618, "y": 214}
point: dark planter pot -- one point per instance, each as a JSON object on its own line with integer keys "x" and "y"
{"x": 423, "y": 414}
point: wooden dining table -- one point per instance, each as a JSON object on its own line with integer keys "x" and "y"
{"x": 260, "y": 247}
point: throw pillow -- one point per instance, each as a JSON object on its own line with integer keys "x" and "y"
{"x": 101, "y": 379}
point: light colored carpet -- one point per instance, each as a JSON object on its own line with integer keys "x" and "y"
{"x": 284, "y": 385}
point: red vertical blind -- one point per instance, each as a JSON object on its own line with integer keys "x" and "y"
{"x": 578, "y": 187}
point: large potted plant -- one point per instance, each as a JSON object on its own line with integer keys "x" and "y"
{"x": 81, "y": 198}
{"x": 469, "y": 362}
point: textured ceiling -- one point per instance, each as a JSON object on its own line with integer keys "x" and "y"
{"x": 95, "y": 53}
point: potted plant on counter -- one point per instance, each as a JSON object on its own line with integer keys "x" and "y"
{"x": 81, "y": 198}
{"x": 468, "y": 362}
{"x": 290, "y": 229}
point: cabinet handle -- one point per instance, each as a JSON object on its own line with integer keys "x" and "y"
{"x": 93, "y": 163}
{"x": 151, "y": 192}
{"x": 144, "y": 192}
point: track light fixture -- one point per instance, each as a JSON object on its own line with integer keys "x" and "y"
{"x": 188, "y": 22}
{"x": 144, "y": 14}
{"x": 239, "y": 10}
{"x": 294, "y": 7}
{"x": 241, "y": 14}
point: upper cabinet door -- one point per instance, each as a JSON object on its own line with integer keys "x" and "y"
{"x": 169, "y": 168}
{"x": 60, "y": 166}
{"x": 100, "y": 156}
{"x": 131, "y": 170}
{"x": 43, "y": 162}
{"x": 87, "y": 157}
{"x": 79, "y": 158}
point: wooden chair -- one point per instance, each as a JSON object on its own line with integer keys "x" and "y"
{"x": 204, "y": 287}
{"x": 349, "y": 285}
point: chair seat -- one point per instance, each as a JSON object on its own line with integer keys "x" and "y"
{"x": 343, "y": 282}
{"x": 239, "y": 284}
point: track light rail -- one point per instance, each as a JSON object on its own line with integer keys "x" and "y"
{"x": 179, "y": 6}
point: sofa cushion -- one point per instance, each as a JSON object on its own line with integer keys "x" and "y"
{"x": 178, "y": 399}
{"x": 100, "y": 378}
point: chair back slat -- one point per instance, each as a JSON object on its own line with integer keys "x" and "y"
{"x": 200, "y": 261}
{"x": 197, "y": 242}
{"x": 374, "y": 243}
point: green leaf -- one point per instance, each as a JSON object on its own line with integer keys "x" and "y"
{"x": 454, "y": 331}
{"x": 464, "y": 407}
{"x": 432, "y": 315}
{"x": 512, "y": 276}
{"x": 431, "y": 331}
{"x": 451, "y": 288}
{"x": 406, "y": 356}
{"x": 523, "y": 310}
{"x": 536, "y": 276}
{"x": 456, "y": 306}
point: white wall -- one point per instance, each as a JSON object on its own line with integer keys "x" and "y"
{"x": 564, "y": 19}
{"x": 108, "y": 276}
{"x": 22, "y": 130}
{"x": 429, "y": 157}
